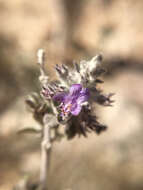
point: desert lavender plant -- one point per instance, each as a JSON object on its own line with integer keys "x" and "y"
{"x": 67, "y": 103}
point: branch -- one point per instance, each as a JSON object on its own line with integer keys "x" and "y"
{"x": 46, "y": 146}
{"x": 43, "y": 78}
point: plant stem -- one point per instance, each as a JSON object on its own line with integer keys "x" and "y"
{"x": 45, "y": 155}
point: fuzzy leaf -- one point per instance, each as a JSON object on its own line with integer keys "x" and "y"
{"x": 30, "y": 130}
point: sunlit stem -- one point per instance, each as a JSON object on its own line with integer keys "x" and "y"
{"x": 45, "y": 156}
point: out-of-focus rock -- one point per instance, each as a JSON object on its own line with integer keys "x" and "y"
{"x": 112, "y": 27}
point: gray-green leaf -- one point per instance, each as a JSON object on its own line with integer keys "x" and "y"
{"x": 30, "y": 130}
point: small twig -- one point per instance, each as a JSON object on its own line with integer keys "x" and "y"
{"x": 46, "y": 142}
{"x": 41, "y": 61}
{"x": 45, "y": 154}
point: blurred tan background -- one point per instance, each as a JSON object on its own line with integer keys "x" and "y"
{"x": 73, "y": 30}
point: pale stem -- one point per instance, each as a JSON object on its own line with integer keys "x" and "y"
{"x": 45, "y": 156}
{"x": 40, "y": 60}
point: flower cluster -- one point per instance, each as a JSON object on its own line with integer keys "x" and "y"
{"x": 71, "y": 98}
{"x": 74, "y": 95}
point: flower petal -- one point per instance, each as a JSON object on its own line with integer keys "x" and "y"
{"x": 83, "y": 97}
{"x": 60, "y": 96}
{"x": 75, "y": 109}
{"x": 75, "y": 89}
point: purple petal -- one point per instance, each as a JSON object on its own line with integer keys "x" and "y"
{"x": 84, "y": 95}
{"x": 75, "y": 89}
{"x": 67, "y": 99}
{"x": 60, "y": 96}
{"x": 75, "y": 109}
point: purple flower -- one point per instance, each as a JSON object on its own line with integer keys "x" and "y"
{"x": 72, "y": 101}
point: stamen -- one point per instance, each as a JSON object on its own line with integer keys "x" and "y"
{"x": 66, "y": 110}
